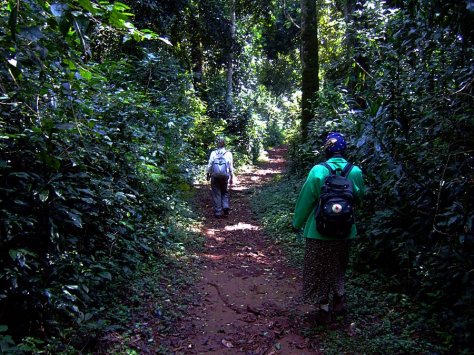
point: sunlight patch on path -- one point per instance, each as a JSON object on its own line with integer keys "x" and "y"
{"x": 239, "y": 188}
{"x": 211, "y": 233}
{"x": 266, "y": 172}
{"x": 213, "y": 257}
{"x": 242, "y": 226}
{"x": 257, "y": 257}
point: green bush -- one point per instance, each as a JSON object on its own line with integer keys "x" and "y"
{"x": 92, "y": 163}
{"x": 409, "y": 126}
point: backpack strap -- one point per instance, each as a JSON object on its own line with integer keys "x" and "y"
{"x": 347, "y": 169}
{"x": 345, "y": 172}
{"x": 327, "y": 166}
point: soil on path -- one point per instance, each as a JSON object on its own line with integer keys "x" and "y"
{"x": 248, "y": 298}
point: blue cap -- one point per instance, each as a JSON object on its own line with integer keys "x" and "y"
{"x": 335, "y": 142}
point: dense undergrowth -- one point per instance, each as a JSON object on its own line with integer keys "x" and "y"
{"x": 103, "y": 130}
{"x": 147, "y": 306}
{"x": 379, "y": 318}
{"x": 404, "y": 103}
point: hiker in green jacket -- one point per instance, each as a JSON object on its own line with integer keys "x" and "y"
{"x": 326, "y": 257}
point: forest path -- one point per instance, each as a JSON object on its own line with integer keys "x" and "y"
{"x": 248, "y": 298}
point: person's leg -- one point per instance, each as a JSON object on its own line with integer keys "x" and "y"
{"x": 216, "y": 197}
{"x": 316, "y": 284}
{"x": 225, "y": 196}
{"x": 339, "y": 297}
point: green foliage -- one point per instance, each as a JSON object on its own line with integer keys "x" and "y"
{"x": 93, "y": 161}
{"x": 406, "y": 110}
{"x": 416, "y": 136}
{"x": 7, "y": 344}
{"x": 104, "y": 126}
{"x": 331, "y": 114}
{"x": 275, "y": 136}
{"x": 202, "y": 134}
{"x": 274, "y": 205}
{"x": 156, "y": 297}
{"x": 380, "y": 320}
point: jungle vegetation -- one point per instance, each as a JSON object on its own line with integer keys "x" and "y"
{"x": 109, "y": 110}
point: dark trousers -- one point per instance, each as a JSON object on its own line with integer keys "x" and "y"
{"x": 220, "y": 194}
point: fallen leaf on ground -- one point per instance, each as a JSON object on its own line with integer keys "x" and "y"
{"x": 227, "y": 343}
{"x": 352, "y": 330}
{"x": 253, "y": 310}
{"x": 300, "y": 346}
{"x": 249, "y": 318}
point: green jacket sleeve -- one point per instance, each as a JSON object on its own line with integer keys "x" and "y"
{"x": 358, "y": 182}
{"x": 308, "y": 196}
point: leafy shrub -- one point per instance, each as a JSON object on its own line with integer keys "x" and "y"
{"x": 408, "y": 122}
{"x": 92, "y": 162}
{"x": 274, "y": 206}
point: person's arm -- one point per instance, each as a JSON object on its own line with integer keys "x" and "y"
{"x": 358, "y": 183}
{"x": 209, "y": 164}
{"x": 231, "y": 168}
{"x": 308, "y": 196}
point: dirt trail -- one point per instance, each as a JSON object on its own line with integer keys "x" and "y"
{"x": 248, "y": 299}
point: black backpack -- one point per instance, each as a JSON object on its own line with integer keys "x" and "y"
{"x": 335, "y": 211}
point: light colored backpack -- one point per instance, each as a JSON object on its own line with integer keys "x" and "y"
{"x": 219, "y": 166}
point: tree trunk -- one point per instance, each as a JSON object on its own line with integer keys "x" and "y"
{"x": 356, "y": 60}
{"x": 230, "y": 59}
{"x": 349, "y": 7}
{"x": 309, "y": 63}
{"x": 350, "y": 44}
{"x": 197, "y": 55}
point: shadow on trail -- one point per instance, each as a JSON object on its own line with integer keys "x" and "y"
{"x": 248, "y": 297}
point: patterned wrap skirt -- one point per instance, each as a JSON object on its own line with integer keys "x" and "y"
{"x": 325, "y": 263}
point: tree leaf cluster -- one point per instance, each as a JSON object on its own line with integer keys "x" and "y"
{"x": 402, "y": 93}
{"x": 94, "y": 159}
{"x": 108, "y": 111}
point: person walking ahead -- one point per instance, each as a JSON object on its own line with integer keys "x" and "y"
{"x": 326, "y": 257}
{"x": 220, "y": 170}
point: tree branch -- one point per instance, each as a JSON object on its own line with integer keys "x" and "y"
{"x": 288, "y": 16}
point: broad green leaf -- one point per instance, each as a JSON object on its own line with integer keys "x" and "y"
{"x": 65, "y": 126}
{"x": 71, "y": 65}
{"x": 32, "y": 34}
{"x": 121, "y": 6}
{"x": 86, "y": 4}
{"x": 75, "y": 218}
{"x": 165, "y": 40}
{"x": 58, "y": 9}
{"x": 87, "y": 75}
{"x": 87, "y": 191}
{"x": 129, "y": 25}
{"x": 13, "y": 253}
{"x": 88, "y": 200}
{"x": 106, "y": 275}
{"x": 43, "y": 195}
